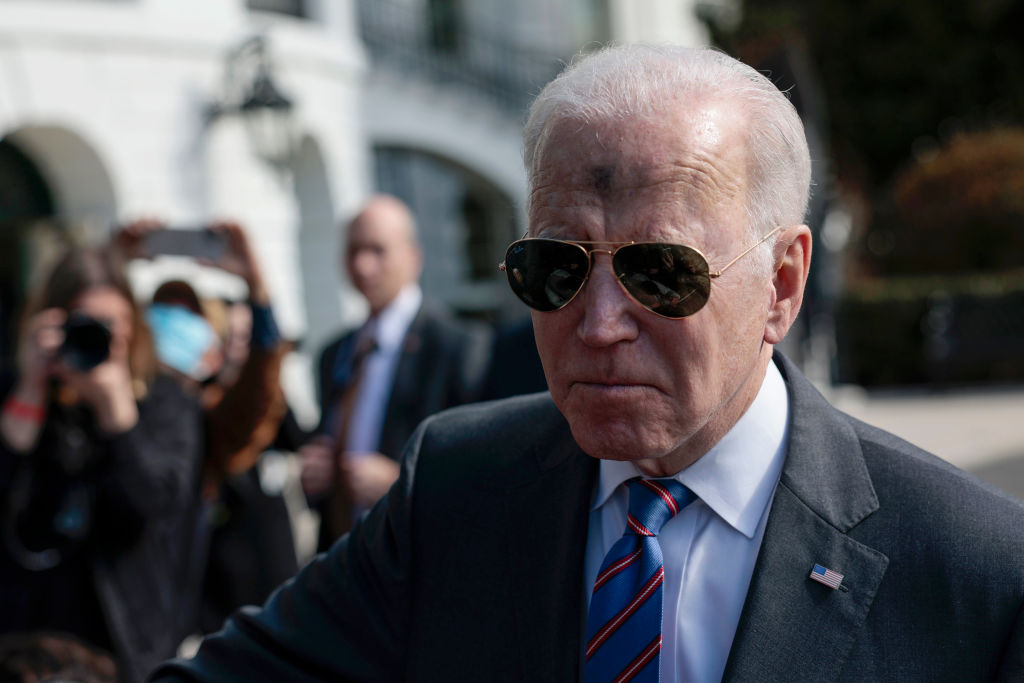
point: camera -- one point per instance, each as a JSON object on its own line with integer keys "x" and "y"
{"x": 201, "y": 243}
{"x": 86, "y": 342}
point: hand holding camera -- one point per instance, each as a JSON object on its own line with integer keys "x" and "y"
{"x": 221, "y": 244}
{"x": 238, "y": 259}
{"x": 94, "y": 364}
{"x": 37, "y": 355}
{"x": 25, "y": 409}
{"x": 148, "y": 238}
{"x": 86, "y": 342}
{"x": 76, "y": 350}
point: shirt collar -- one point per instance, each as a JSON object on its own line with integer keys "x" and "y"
{"x": 737, "y": 477}
{"x": 388, "y": 327}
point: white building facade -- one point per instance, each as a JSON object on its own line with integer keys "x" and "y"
{"x": 115, "y": 105}
{"x": 113, "y": 110}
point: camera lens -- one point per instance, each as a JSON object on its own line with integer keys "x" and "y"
{"x": 86, "y": 342}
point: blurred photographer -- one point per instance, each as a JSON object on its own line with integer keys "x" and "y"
{"x": 99, "y": 458}
{"x": 232, "y": 360}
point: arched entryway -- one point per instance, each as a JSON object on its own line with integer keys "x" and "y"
{"x": 25, "y": 200}
{"x": 318, "y": 245}
{"x": 53, "y": 188}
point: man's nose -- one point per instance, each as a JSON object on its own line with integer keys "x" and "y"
{"x": 364, "y": 263}
{"x": 609, "y": 315}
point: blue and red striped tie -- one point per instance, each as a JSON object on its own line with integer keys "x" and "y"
{"x": 624, "y": 621}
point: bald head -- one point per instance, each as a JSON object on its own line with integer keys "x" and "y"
{"x": 382, "y": 253}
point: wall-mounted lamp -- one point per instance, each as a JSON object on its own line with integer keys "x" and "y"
{"x": 250, "y": 91}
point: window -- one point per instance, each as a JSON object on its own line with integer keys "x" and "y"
{"x": 295, "y": 8}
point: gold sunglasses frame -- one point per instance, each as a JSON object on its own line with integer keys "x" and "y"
{"x": 591, "y": 247}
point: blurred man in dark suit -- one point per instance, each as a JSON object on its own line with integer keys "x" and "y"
{"x": 408, "y": 360}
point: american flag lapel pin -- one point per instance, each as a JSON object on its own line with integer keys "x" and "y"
{"x": 829, "y": 577}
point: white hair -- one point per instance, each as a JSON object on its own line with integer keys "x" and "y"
{"x": 629, "y": 81}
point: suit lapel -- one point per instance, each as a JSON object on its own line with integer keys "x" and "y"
{"x": 407, "y": 369}
{"x": 408, "y": 381}
{"x": 793, "y": 628}
{"x": 546, "y": 518}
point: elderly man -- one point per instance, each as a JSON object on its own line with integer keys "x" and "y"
{"x": 408, "y": 360}
{"x": 767, "y": 536}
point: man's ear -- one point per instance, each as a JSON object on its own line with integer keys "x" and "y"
{"x": 792, "y": 265}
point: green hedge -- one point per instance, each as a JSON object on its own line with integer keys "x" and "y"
{"x": 917, "y": 330}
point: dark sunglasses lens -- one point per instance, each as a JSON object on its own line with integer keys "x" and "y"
{"x": 669, "y": 279}
{"x": 545, "y": 274}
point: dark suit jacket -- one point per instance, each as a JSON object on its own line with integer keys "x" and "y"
{"x": 471, "y": 569}
{"x": 126, "y": 584}
{"x": 515, "y": 364}
{"x": 442, "y": 365}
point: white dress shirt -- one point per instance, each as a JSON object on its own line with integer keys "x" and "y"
{"x": 709, "y": 547}
{"x": 388, "y": 329}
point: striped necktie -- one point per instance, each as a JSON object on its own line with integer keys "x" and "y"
{"x": 624, "y": 621}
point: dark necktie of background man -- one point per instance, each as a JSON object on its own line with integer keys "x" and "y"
{"x": 338, "y": 517}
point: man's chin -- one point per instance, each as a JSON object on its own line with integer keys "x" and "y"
{"x": 609, "y": 441}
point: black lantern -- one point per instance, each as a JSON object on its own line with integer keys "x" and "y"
{"x": 250, "y": 91}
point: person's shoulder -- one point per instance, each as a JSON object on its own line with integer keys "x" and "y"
{"x": 921, "y": 498}
{"x": 434, "y": 315}
{"x": 918, "y": 478}
{"x": 494, "y": 434}
{"x": 338, "y": 339}
{"x": 331, "y": 347}
{"x": 439, "y": 323}
{"x": 167, "y": 390}
{"x": 166, "y": 402}
{"x": 934, "y": 514}
{"x": 509, "y": 417}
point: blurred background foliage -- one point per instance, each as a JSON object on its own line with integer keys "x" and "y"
{"x": 960, "y": 210}
{"x": 921, "y": 111}
{"x": 897, "y": 77}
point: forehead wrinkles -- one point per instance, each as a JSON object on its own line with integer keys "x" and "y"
{"x": 685, "y": 165}
{"x": 706, "y": 180}
{"x": 699, "y": 181}
{"x": 557, "y": 188}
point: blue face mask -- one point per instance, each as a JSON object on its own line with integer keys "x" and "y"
{"x": 181, "y": 338}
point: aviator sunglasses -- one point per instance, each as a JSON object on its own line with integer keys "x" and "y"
{"x": 671, "y": 280}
